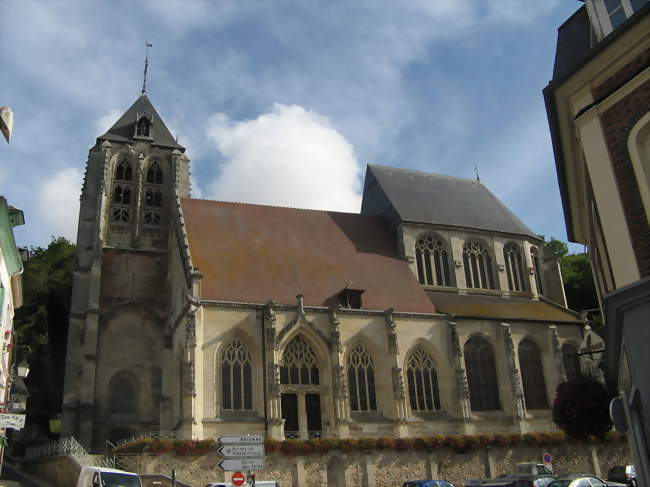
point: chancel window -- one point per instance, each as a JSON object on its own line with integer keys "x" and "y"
{"x": 532, "y": 375}
{"x": 536, "y": 269}
{"x": 514, "y": 268}
{"x": 122, "y": 192}
{"x": 481, "y": 374}
{"x": 432, "y": 262}
{"x": 361, "y": 380}
{"x": 236, "y": 376}
{"x": 422, "y": 381}
{"x": 299, "y": 365}
{"x": 571, "y": 361}
{"x": 123, "y": 394}
{"x": 478, "y": 266}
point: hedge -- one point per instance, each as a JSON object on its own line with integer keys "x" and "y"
{"x": 459, "y": 443}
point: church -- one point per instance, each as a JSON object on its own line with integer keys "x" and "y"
{"x": 435, "y": 310}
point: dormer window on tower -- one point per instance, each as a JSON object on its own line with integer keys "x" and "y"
{"x": 143, "y": 126}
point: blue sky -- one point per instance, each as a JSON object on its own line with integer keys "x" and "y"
{"x": 284, "y": 102}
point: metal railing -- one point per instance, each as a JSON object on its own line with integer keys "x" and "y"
{"x": 156, "y": 435}
{"x": 302, "y": 435}
{"x": 72, "y": 448}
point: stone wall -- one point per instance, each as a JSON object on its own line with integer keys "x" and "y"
{"x": 392, "y": 468}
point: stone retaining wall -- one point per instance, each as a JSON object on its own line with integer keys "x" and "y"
{"x": 377, "y": 468}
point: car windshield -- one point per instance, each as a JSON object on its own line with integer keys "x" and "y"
{"x": 110, "y": 479}
{"x": 559, "y": 483}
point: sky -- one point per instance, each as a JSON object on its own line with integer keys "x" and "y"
{"x": 284, "y": 102}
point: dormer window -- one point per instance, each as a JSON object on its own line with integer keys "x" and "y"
{"x": 610, "y": 14}
{"x": 351, "y": 298}
{"x": 143, "y": 126}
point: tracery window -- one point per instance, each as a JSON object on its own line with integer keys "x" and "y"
{"x": 153, "y": 195}
{"x": 361, "y": 380}
{"x": 532, "y": 375}
{"x": 514, "y": 268}
{"x": 432, "y": 261}
{"x": 536, "y": 269}
{"x": 422, "y": 381}
{"x": 298, "y": 366}
{"x": 122, "y": 191}
{"x": 236, "y": 376}
{"x": 153, "y": 198}
{"x": 123, "y": 394}
{"x": 481, "y": 374}
{"x": 571, "y": 361}
{"x": 478, "y": 266}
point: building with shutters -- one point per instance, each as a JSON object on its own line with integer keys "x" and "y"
{"x": 435, "y": 310}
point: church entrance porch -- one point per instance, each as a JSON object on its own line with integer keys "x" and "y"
{"x": 302, "y": 415}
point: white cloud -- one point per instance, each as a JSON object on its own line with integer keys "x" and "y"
{"x": 287, "y": 157}
{"x": 58, "y": 203}
{"x": 102, "y": 124}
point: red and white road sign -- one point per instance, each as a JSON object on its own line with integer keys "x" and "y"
{"x": 238, "y": 478}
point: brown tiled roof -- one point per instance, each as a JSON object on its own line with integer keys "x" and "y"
{"x": 253, "y": 253}
{"x": 500, "y": 308}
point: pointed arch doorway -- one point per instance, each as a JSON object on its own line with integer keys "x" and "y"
{"x": 300, "y": 382}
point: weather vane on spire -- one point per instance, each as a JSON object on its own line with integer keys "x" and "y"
{"x": 146, "y": 65}
{"x": 478, "y": 179}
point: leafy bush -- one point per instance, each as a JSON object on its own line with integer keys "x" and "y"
{"x": 581, "y": 408}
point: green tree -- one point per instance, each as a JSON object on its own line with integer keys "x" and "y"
{"x": 42, "y": 323}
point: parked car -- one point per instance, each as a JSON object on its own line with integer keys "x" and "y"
{"x": 583, "y": 481}
{"x": 529, "y": 474}
{"x": 625, "y": 474}
{"x": 427, "y": 483}
{"x": 107, "y": 477}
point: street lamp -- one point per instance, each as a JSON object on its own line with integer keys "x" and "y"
{"x": 19, "y": 395}
{"x": 23, "y": 369}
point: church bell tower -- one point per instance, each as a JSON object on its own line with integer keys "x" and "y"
{"x": 135, "y": 175}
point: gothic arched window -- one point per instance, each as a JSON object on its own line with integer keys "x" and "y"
{"x": 143, "y": 127}
{"x": 124, "y": 170}
{"x": 481, "y": 374}
{"x": 571, "y": 361}
{"x": 536, "y": 270}
{"x": 532, "y": 375}
{"x": 478, "y": 266}
{"x": 298, "y": 364}
{"x": 122, "y": 393}
{"x": 432, "y": 261}
{"x": 514, "y": 268}
{"x": 361, "y": 380}
{"x": 154, "y": 173}
{"x": 236, "y": 376}
{"x": 422, "y": 381}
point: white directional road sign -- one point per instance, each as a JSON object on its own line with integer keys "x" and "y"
{"x": 242, "y": 439}
{"x": 13, "y": 421}
{"x": 242, "y": 464}
{"x": 239, "y": 451}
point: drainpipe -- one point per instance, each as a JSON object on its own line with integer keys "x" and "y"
{"x": 264, "y": 375}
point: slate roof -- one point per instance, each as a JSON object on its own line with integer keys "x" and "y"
{"x": 573, "y": 43}
{"x": 499, "y": 308}
{"x": 254, "y": 253}
{"x": 416, "y": 196}
{"x": 123, "y": 129}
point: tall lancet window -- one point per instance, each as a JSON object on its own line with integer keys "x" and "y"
{"x": 532, "y": 375}
{"x": 432, "y": 261}
{"x": 122, "y": 191}
{"x": 478, "y": 266}
{"x": 298, "y": 366}
{"x": 481, "y": 374}
{"x": 236, "y": 377}
{"x": 514, "y": 268}
{"x": 153, "y": 194}
{"x": 422, "y": 381}
{"x": 361, "y": 380}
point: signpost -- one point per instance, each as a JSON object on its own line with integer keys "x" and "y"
{"x": 548, "y": 460}
{"x": 241, "y": 453}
